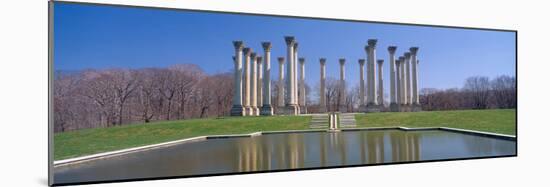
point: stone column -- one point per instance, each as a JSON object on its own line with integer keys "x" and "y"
{"x": 380, "y": 84}
{"x": 267, "y": 109}
{"x": 393, "y": 100}
{"x": 295, "y": 77}
{"x": 342, "y": 90}
{"x": 302, "y": 93}
{"x": 247, "y": 52}
{"x": 361, "y": 84}
{"x": 369, "y": 81}
{"x": 322, "y": 96}
{"x": 260, "y": 93}
{"x": 281, "y": 84}
{"x": 290, "y": 100}
{"x": 398, "y": 83}
{"x": 414, "y": 61}
{"x": 237, "y": 108}
{"x": 372, "y": 104}
{"x": 403, "y": 82}
{"x": 408, "y": 77}
{"x": 253, "y": 86}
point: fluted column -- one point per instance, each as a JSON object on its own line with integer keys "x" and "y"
{"x": 254, "y": 85}
{"x": 342, "y": 90}
{"x": 290, "y": 101}
{"x": 281, "y": 84}
{"x": 260, "y": 86}
{"x": 414, "y": 61}
{"x": 247, "y": 52}
{"x": 302, "y": 94}
{"x": 408, "y": 88}
{"x": 267, "y": 109}
{"x": 372, "y": 59}
{"x": 398, "y": 83}
{"x": 393, "y": 100}
{"x": 402, "y": 81}
{"x": 322, "y": 96}
{"x": 237, "y": 108}
{"x": 380, "y": 83}
{"x": 372, "y": 99}
{"x": 295, "y": 76}
{"x": 361, "y": 83}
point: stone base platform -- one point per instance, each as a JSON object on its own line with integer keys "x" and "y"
{"x": 416, "y": 108}
{"x": 291, "y": 110}
{"x": 394, "y": 107}
{"x": 253, "y": 111}
{"x": 372, "y": 108}
{"x": 303, "y": 110}
{"x": 237, "y": 110}
{"x": 266, "y": 110}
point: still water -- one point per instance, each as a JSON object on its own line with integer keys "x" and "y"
{"x": 286, "y": 151}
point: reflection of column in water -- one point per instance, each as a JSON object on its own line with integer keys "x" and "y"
{"x": 269, "y": 149}
{"x": 254, "y": 153}
{"x": 375, "y": 147}
{"x": 380, "y": 147}
{"x": 394, "y": 146}
{"x": 282, "y": 150}
{"x": 371, "y": 151}
{"x": 362, "y": 143}
{"x": 302, "y": 150}
{"x": 402, "y": 147}
{"x": 323, "y": 156}
{"x": 407, "y": 147}
{"x": 342, "y": 148}
{"x": 416, "y": 147}
{"x": 293, "y": 156}
{"x": 240, "y": 156}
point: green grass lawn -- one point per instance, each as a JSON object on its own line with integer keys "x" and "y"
{"x": 497, "y": 121}
{"x": 91, "y": 141}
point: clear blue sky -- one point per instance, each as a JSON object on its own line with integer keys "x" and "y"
{"x": 90, "y": 36}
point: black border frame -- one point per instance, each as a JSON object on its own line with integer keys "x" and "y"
{"x": 50, "y": 91}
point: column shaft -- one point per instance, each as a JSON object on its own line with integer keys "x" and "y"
{"x": 322, "y": 96}
{"x": 291, "y": 92}
{"x": 408, "y": 77}
{"x": 414, "y": 62}
{"x": 254, "y": 85}
{"x": 260, "y": 82}
{"x": 247, "y": 52}
{"x": 281, "y": 84}
{"x": 342, "y": 90}
{"x": 361, "y": 83}
{"x": 295, "y": 74}
{"x": 380, "y": 83}
{"x": 237, "y": 108}
{"x": 372, "y": 62}
{"x": 398, "y": 97}
{"x": 402, "y": 80}
{"x": 267, "y": 109}
{"x": 302, "y": 87}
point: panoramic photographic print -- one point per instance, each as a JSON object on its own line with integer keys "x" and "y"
{"x": 149, "y": 93}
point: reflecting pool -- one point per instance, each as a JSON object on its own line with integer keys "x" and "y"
{"x": 287, "y": 151}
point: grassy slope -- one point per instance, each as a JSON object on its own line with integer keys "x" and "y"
{"x": 499, "y": 121}
{"x": 90, "y": 141}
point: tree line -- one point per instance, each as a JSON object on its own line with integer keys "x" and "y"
{"x": 111, "y": 97}
{"x": 478, "y": 92}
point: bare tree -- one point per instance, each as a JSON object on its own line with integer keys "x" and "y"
{"x": 332, "y": 88}
{"x": 123, "y": 84}
{"x": 478, "y": 88}
{"x": 168, "y": 88}
{"x": 504, "y": 91}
